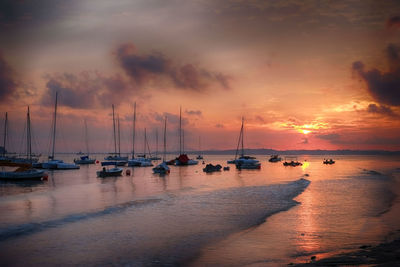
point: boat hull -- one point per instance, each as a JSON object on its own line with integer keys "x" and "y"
{"x": 109, "y": 172}
{"x": 24, "y": 175}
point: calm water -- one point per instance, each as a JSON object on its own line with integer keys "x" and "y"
{"x": 271, "y": 216}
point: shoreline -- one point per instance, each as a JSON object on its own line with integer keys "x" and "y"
{"x": 386, "y": 254}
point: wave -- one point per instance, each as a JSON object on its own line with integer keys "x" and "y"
{"x": 162, "y": 231}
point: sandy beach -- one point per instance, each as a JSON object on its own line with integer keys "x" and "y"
{"x": 384, "y": 254}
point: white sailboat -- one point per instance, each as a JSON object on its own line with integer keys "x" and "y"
{"x": 163, "y": 168}
{"x": 138, "y": 161}
{"x": 55, "y": 163}
{"x": 244, "y": 162}
{"x": 85, "y": 159}
{"x": 142, "y": 160}
{"x": 116, "y": 156}
{"x": 24, "y": 170}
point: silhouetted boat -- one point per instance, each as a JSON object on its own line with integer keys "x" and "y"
{"x": 85, "y": 159}
{"x": 292, "y": 161}
{"x": 212, "y": 168}
{"x": 109, "y": 172}
{"x": 274, "y": 158}
{"x": 183, "y": 159}
{"x": 163, "y": 168}
{"x": 329, "y": 161}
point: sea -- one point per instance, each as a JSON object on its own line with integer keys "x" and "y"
{"x": 269, "y": 217}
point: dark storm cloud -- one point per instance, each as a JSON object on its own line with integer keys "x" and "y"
{"x": 28, "y": 12}
{"x": 86, "y": 90}
{"x": 393, "y": 22}
{"x": 381, "y": 109}
{"x": 7, "y": 83}
{"x": 193, "y": 112}
{"x": 156, "y": 67}
{"x": 383, "y": 86}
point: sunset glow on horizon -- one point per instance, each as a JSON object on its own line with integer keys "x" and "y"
{"x": 305, "y": 75}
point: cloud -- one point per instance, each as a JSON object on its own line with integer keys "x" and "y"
{"x": 383, "y": 87}
{"x": 86, "y": 89}
{"x": 157, "y": 68}
{"x": 7, "y": 83}
{"x": 332, "y": 137}
{"x": 194, "y": 112}
{"x": 393, "y": 22}
{"x": 171, "y": 118}
{"x": 381, "y": 109}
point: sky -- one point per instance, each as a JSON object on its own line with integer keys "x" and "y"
{"x": 303, "y": 74}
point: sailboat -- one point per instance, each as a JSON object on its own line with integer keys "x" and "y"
{"x": 183, "y": 159}
{"x": 142, "y": 160}
{"x": 162, "y": 168}
{"x": 55, "y": 163}
{"x": 244, "y": 162}
{"x": 199, "y": 156}
{"x": 4, "y": 156}
{"x": 85, "y": 159}
{"x": 156, "y": 157}
{"x": 115, "y": 158}
{"x": 24, "y": 170}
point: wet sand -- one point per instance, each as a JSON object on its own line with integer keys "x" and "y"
{"x": 384, "y": 254}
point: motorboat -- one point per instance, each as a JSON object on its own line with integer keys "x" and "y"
{"x": 249, "y": 164}
{"x": 116, "y": 171}
{"x": 212, "y": 168}
{"x": 292, "y": 161}
{"x": 274, "y": 158}
{"x": 140, "y": 162}
{"x": 161, "y": 168}
{"x": 329, "y": 161}
{"x": 85, "y": 160}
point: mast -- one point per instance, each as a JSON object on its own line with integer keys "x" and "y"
{"x": 86, "y": 137}
{"x": 199, "y": 146}
{"x": 114, "y": 135}
{"x": 28, "y": 136}
{"x": 134, "y": 130}
{"x": 145, "y": 141}
{"x": 180, "y": 130}
{"x": 5, "y": 135}
{"x": 165, "y": 138}
{"x": 156, "y": 142}
{"x": 183, "y": 141}
{"x": 242, "y": 137}
{"x": 239, "y": 140}
{"x": 119, "y": 137}
{"x": 54, "y": 127}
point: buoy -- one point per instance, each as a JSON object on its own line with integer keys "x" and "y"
{"x": 97, "y": 161}
{"x": 128, "y": 172}
{"x": 45, "y": 177}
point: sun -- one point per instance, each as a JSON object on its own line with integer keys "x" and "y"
{"x": 304, "y": 131}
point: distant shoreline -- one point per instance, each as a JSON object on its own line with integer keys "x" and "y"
{"x": 262, "y": 151}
